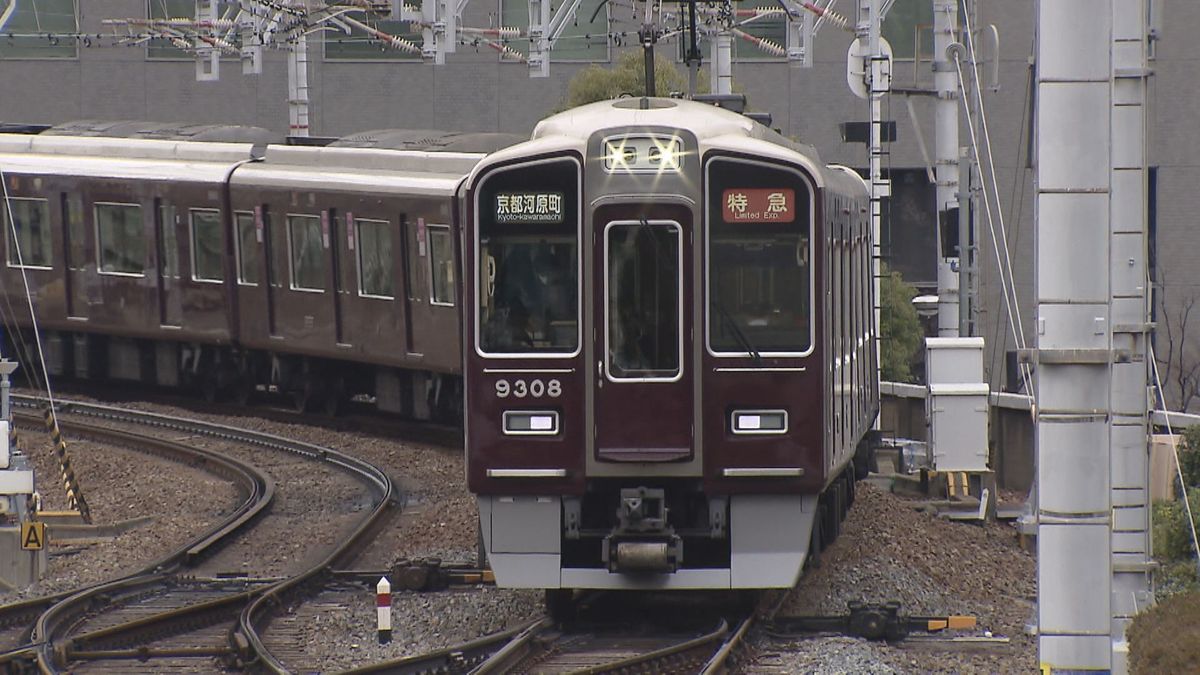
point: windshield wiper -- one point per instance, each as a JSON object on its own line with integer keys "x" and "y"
{"x": 737, "y": 332}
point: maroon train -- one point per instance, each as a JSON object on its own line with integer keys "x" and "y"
{"x": 212, "y": 258}
{"x": 667, "y": 353}
{"x": 670, "y": 349}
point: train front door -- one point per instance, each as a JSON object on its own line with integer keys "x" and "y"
{"x": 643, "y": 350}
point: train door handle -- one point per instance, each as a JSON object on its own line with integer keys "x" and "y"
{"x": 600, "y": 369}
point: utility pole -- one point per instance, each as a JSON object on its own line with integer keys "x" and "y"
{"x": 1074, "y": 351}
{"x": 1132, "y": 581}
{"x": 879, "y": 81}
{"x": 946, "y": 150}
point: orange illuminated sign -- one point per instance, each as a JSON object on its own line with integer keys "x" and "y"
{"x": 755, "y": 205}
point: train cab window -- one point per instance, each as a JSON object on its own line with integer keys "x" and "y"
{"x": 247, "y": 248}
{"x": 759, "y": 271}
{"x": 642, "y": 313}
{"x": 527, "y": 259}
{"x": 441, "y": 265}
{"x": 30, "y": 246}
{"x": 206, "y": 245}
{"x": 120, "y": 238}
{"x": 307, "y": 257}
{"x": 374, "y": 258}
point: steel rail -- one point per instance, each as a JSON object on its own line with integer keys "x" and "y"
{"x": 246, "y": 642}
{"x": 256, "y": 490}
{"x": 454, "y": 659}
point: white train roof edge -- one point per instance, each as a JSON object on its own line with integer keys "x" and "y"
{"x": 713, "y": 127}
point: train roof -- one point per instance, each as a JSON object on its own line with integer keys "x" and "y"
{"x": 429, "y": 140}
{"x": 165, "y": 131}
{"x": 122, "y": 158}
{"x": 706, "y": 121}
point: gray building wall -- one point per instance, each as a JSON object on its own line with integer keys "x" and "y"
{"x": 475, "y": 91}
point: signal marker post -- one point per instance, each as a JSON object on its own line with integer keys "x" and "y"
{"x": 383, "y": 608}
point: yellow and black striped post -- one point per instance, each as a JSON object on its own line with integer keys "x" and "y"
{"x": 75, "y": 498}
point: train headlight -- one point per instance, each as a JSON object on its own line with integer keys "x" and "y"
{"x": 759, "y": 422}
{"x": 530, "y": 422}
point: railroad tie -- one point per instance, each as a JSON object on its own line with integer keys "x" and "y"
{"x": 75, "y": 500}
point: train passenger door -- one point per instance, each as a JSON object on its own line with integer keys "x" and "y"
{"x": 76, "y": 246}
{"x": 643, "y": 393}
{"x": 166, "y": 241}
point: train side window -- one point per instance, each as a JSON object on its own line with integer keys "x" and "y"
{"x": 31, "y": 247}
{"x": 441, "y": 265}
{"x": 307, "y": 257}
{"x": 374, "y": 258}
{"x": 247, "y": 249}
{"x": 120, "y": 238}
{"x": 206, "y": 245}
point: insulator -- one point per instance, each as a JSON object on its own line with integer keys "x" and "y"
{"x": 508, "y": 32}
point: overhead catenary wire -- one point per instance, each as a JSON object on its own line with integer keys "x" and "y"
{"x": 1008, "y": 285}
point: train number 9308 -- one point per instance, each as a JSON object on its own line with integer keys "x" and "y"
{"x": 531, "y": 388}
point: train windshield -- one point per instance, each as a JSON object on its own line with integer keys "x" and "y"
{"x": 760, "y": 277}
{"x": 528, "y": 256}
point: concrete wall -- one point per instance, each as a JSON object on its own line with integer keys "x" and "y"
{"x": 475, "y": 91}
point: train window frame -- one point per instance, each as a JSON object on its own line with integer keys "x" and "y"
{"x": 100, "y": 262}
{"x": 386, "y": 226}
{"x": 291, "y": 254}
{"x": 441, "y": 230}
{"x": 809, "y": 184}
{"x": 195, "y": 247}
{"x": 46, "y": 232}
{"x": 479, "y": 189}
{"x": 677, "y": 229}
{"x": 240, "y": 252}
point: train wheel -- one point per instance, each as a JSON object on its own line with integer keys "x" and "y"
{"x": 243, "y": 389}
{"x": 306, "y": 396}
{"x": 560, "y": 604}
{"x": 335, "y": 398}
{"x": 210, "y": 386}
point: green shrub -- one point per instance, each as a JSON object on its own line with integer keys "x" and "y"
{"x": 1172, "y": 537}
{"x": 900, "y": 330}
{"x": 1189, "y": 457}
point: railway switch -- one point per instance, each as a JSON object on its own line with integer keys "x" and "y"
{"x": 872, "y": 621}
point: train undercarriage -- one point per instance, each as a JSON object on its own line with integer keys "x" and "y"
{"x": 228, "y": 373}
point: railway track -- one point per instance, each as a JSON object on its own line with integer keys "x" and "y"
{"x": 161, "y": 613}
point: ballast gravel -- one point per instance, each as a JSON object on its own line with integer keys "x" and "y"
{"x": 889, "y": 549}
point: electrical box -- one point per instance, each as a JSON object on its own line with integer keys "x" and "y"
{"x": 954, "y": 360}
{"x": 5, "y": 450}
{"x": 956, "y": 407}
{"x": 958, "y": 426}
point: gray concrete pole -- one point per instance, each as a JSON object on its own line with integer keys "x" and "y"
{"x": 1074, "y": 334}
{"x": 945, "y": 81}
{"x": 1132, "y": 582}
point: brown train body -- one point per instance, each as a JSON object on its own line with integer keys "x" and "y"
{"x": 654, "y": 317}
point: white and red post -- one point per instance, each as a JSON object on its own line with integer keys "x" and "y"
{"x": 383, "y": 607}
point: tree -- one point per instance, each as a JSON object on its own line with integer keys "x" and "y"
{"x": 899, "y": 328}
{"x": 1179, "y": 365}
{"x": 627, "y": 77}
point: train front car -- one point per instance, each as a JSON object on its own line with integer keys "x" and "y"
{"x": 647, "y": 366}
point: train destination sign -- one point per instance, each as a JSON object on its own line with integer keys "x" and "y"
{"x": 529, "y": 207}
{"x": 757, "y": 205}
